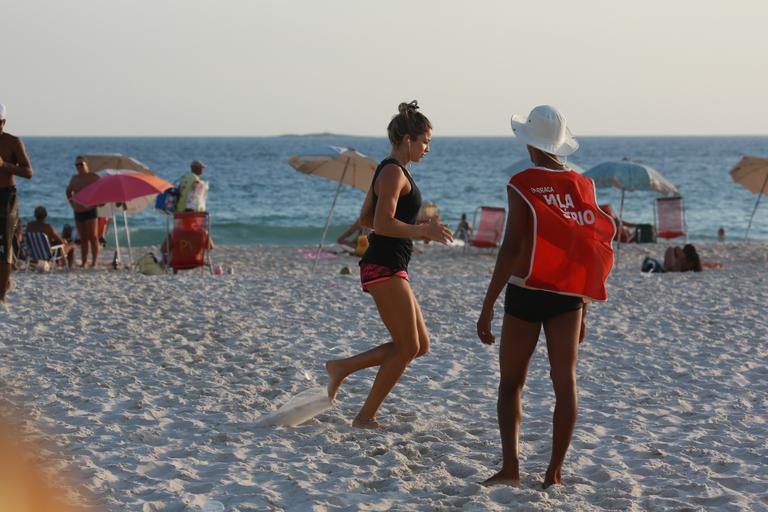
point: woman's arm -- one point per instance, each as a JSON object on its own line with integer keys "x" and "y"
{"x": 509, "y": 253}
{"x": 390, "y": 184}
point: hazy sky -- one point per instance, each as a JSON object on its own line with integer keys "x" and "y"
{"x": 251, "y": 67}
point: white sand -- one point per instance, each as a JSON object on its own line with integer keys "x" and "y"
{"x": 153, "y": 386}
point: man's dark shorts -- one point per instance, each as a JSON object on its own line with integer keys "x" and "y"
{"x": 9, "y": 218}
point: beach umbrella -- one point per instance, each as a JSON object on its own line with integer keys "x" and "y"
{"x": 121, "y": 188}
{"x": 105, "y": 164}
{"x": 100, "y": 161}
{"x": 752, "y": 173}
{"x": 525, "y": 163}
{"x": 346, "y": 166}
{"x": 628, "y": 176}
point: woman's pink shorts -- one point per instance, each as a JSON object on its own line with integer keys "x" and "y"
{"x": 372, "y": 273}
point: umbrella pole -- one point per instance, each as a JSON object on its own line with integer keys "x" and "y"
{"x": 621, "y": 226}
{"x": 330, "y": 212}
{"x": 128, "y": 238}
{"x": 762, "y": 190}
{"x": 116, "y": 258}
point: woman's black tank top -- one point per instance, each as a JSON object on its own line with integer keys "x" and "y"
{"x": 394, "y": 253}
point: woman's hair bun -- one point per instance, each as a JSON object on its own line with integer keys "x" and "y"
{"x": 408, "y": 108}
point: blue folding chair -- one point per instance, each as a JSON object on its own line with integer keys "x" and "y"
{"x": 39, "y": 248}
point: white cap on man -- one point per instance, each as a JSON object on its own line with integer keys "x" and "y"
{"x": 197, "y": 163}
{"x": 2, "y": 111}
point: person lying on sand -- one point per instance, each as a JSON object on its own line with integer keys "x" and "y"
{"x": 676, "y": 259}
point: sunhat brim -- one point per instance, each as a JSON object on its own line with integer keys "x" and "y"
{"x": 520, "y": 128}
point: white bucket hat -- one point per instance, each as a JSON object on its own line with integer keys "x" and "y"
{"x": 545, "y": 128}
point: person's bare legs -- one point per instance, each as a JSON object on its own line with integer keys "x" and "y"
{"x": 5, "y": 279}
{"x": 91, "y": 234}
{"x": 400, "y": 314}
{"x": 69, "y": 249}
{"x": 518, "y": 341}
{"x": 80, "y": 225}
{"x": 562, "y": 333}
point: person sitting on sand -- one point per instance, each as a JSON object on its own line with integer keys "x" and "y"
{"x": 550, "y": 207}
{"x": 39, "y": 225}
{"x": 676, "y": 259}
{"x": 355, "y": 237}
{"x": 391, "y": 209}
{"x": 624, "y": 229}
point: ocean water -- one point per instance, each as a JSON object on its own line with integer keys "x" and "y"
{"x": 257, "y": 198}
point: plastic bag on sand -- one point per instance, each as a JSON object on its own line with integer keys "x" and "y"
{"x": 297, "y": 410}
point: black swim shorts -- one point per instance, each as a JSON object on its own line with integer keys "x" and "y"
{"x": 9, "y": 218}
{"x": 87, "y": 215}
{"x": 538, "y": 305}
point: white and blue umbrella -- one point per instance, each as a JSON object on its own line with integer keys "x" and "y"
{"x": 627, "y": 175}
{"x": 525, "y": 163}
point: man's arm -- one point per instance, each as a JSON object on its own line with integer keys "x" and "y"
{"x": 23, "y": 169}
{"x": 53, "y": 236}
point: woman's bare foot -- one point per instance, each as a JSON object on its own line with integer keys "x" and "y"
{"x": 369, "y": 424}
{"x": 552, "y": 477}
{"x": 335, "y": 377}
{"x": 511, "y": 478}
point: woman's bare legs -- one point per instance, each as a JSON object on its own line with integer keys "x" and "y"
{"x": 562, "y": 333}
{"x": 402, "y": 316}
{"x": 518, "y": 341}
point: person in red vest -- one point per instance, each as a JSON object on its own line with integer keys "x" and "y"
{"x": 555, "y": 258}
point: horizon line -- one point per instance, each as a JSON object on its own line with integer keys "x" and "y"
{"x": 332, "y": 134}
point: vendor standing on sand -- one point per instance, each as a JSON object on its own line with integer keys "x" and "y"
{"x": 86, "y": 217}
{"x": 13, "y": 162}
{"x": 555, "y": 257}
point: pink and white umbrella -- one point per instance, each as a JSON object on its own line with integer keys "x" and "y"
{"x": 121, "y": 188}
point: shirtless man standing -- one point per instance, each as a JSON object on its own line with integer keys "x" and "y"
{"x": 13, "y": 162}
{"x": 86, "y": 217}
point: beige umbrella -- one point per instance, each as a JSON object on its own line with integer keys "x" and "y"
{"x": 752, "y": 173}
{"x": 343, "y": 165}
{"x": 98, "y": 162}
{"x": 347, "y": 166}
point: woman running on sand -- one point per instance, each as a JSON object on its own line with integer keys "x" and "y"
{"x": 556, "y": 253}
{"x": 391, "y": 208}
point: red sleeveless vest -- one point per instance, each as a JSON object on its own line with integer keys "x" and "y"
{"x": 572, "y": 252}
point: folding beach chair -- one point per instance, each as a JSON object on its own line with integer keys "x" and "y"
{"x": 488, "y": 229}
{"x": 190, "y": 240}
{"x": 39, "y": 248}
{"x": 669, "y": 218}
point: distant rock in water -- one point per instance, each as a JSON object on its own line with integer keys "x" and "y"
{"x": 321, "y": 134}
